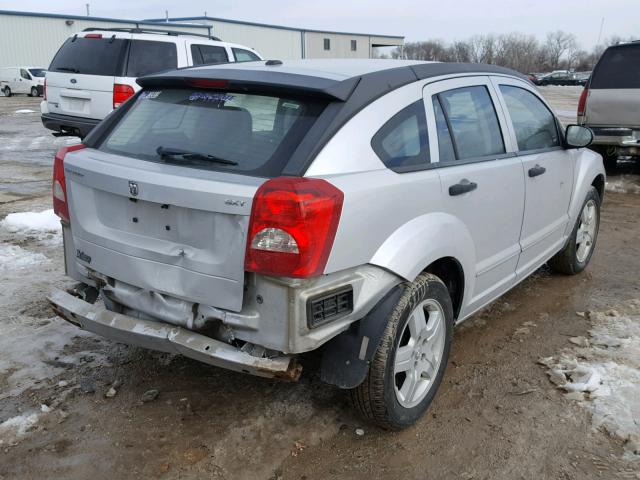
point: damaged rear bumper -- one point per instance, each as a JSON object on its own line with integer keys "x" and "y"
{"x": 168, "y": 338}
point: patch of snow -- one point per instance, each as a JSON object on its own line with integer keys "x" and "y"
{"x": 603, "y": 374}
{"x": 25, "y": 110}
{"x": 16, "y": 427}
{"x": 622, "y": 184}
{"x": 45, "y": 226}
{"x": 45, "y": 221}
{"x": 33, "y": 354}
{"x": 13, "y": 257}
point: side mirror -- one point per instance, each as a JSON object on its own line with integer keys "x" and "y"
{"x": 577, "y": 136}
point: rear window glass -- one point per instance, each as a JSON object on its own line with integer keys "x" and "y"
{"x": 90, "y": 56}
{"x": 208, "y": 54}
{"x": 619, "y": 67}
{"x": 236, "y": 132}
{"x": 147, "y": 57}
{"x": 38, "y": 72}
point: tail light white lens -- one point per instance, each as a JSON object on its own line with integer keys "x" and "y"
{"x": 293, "y": 224}
{"x": 121, "y": 93}
{"x": 59, "y": 186}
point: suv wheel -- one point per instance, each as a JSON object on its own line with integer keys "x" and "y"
{"x": 575, "y": 256}
{"x": 7, "y": 92}
{"x": 408, "y": 366}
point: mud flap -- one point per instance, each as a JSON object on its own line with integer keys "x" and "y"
{"x": 345, "y": 358}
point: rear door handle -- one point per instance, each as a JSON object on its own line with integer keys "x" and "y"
{"x": 537, "y": 170}
{"x": 463, "y": 187}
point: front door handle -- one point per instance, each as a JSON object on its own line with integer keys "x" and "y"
{"x": 537, "y": 170}
{"x": 463, "y": 187}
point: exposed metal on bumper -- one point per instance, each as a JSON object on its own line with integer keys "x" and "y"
{"x": 168, "y": 338}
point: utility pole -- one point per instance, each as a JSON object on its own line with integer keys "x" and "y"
{"x": 166, "y": 15}
{"x": 600, "y": 34}
{"x": 88, "y": 14}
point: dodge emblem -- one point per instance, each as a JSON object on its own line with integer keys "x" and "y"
{"x": 133, "y": 189}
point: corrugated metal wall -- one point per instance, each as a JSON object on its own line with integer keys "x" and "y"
{"x": 340, "y": 45}
{"x": 33, "y": 41}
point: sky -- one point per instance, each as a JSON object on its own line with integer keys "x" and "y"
{"x": 415, "y": 19}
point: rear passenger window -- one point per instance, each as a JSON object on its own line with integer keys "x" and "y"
{"x": 402, "y": 143}
{"x": 533, "y": 123}
{"x": 472, "y": 121}
{"x": 244, "y": 55}
{"x": 146, "y": 57}
{"x": 208, "y": 54}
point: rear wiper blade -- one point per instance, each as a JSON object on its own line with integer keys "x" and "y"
{"x": 68, "y": 69}
{"x": 187, "y": 154}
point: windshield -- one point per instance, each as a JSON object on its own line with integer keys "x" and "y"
{"x": 37, "y": 72}
{"x": 237, "y": 132}
{"x": 90, "y": 56}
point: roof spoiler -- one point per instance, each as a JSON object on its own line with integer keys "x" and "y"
{"x": 156, "y": 31}
{"x": 254, "y": 80}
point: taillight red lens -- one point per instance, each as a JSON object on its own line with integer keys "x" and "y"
{"x": 582, "y": 103}
{"x": 59, "y": 187}
{"x": 292, "y": 227}
{"x": 121, "y": 93}
{"x": 93, "y": 35}
{"x": 44, "y": 89}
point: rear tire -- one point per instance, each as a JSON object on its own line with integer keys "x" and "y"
{"x": 7, "y": 92}
{"x": 577, "y": 253}
{"x": 34, "y": 92}
{"x": 410, "y": 361}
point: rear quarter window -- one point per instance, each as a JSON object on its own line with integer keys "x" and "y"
{"x": 91, "y": 56}
{"x": 242, "y": 55}
{"x": 208, "y": 54}
{"x": 619, "y": 67}
{"x": 147, "y": 57}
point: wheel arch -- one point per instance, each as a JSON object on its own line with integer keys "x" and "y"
{"x": 450, "y": 271}
{"x": 598, "y": 184}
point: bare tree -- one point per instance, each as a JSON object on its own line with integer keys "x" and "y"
{"x": 557, "y": 44}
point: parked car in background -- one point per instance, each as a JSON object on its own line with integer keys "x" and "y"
{"x": 95, "y": 71}
{"x": 558, "y": 77}
{"x": 610, "y": 103}
{"x": 241, "y": 218}
{"x": 27, "y": 80}
{"x": 581, "y": 78}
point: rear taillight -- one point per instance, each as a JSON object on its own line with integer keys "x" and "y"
{"x": 582, "y": 103}
{"x": 60, "y": 206}
{"x": 292, "y": 227}
{"x": 93, "y": 35}
{"x": 44, "y": 89}
{"x": 121, "y": 93}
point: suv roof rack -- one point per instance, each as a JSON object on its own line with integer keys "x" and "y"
{"x": 151, "y": 30}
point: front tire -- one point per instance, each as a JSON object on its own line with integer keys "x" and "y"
{"x": 576, "y": 255}
{"x": 410, "y": 361}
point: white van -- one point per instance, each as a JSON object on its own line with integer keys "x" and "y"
{"x": 29, "y": 80}
{"x": 95, "y": 70}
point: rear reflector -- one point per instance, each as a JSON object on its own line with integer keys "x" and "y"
{"x": 582, "y": 103}
{"x": 293, "y": 224}
{"x": 206, "y": 83}
{"x": 329, "y": 306}
{"x": 121, "y": 93}
{"x": 59, "y": 186}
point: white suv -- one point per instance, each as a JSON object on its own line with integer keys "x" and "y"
{"x": 95, "y": 70}
{"x": 243, "y": 214}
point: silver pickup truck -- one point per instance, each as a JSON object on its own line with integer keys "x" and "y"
{"x": 245, "y": 213}
{"x": 610, "y": 103}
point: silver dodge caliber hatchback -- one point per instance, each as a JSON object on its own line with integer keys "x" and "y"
{"x": 242, "y": 214}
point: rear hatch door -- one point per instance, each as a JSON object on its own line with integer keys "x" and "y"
{"x": 164, "y": 228}
{"x": 614, "y": 90}
{"x": 82, "y": 74}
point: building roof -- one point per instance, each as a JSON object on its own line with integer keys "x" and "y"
{"x": 268, "y": 25}
{"x": 98, "y": 19}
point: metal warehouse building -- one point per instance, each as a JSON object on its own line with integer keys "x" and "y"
{"x": 33, "y": 38}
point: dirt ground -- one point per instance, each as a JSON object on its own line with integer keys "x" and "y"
{"x": 496, "y": 415}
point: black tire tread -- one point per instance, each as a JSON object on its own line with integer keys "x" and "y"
{"x": 368, "y": 397}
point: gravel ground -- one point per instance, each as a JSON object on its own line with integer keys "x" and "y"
{"x": 73, "y": 405}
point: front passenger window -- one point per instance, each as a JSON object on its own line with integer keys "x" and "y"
{"x": 534, "y": 124}
{"x": 403, "y": 143}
